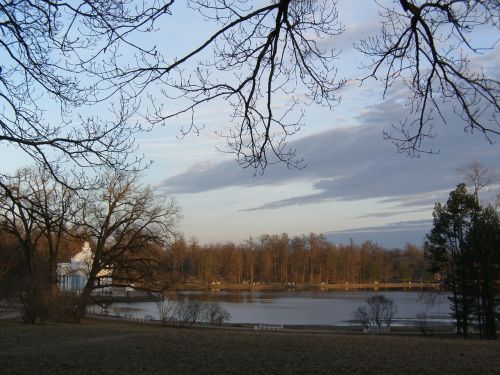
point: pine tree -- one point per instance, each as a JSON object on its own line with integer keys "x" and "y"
{"x": 450, "y": 255}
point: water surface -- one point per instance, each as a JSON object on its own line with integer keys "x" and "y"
{"x": 300, "y": 307}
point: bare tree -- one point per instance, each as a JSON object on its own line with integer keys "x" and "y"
{"x": 166, "y": 309}
{"x": 362, "y": 315}
{"x": 426, "y": 45}
{"x": 53, "y": 57}
{"x": 36, "y": 210}
{"x": 215, "y": 314}
{"x": 478, "y": 177}
{"x": 18, "y": 218}
{"x": 379, "y": 310}
{"x": 73, "y": 55}
{"x": 275, "y": 48}
{"x": 267, "y": 51}
{"x": 53, "y": 206}
{"x": 30, "y": 211}
{"x": 189, "y": 311}
{"x": 123, "y": 219}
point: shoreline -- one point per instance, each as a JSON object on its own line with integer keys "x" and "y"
{"x": 143, "y": 296}
{"x": 431, "y": 330}
{"x": 440, "y": 330}
{"x": 300, "y": 287}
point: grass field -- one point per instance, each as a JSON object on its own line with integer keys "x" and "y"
{"x": 96, "y": 347}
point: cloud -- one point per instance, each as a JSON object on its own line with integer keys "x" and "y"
{"x": 385, "y": 214}
{"x": 393, "y": 235}
{"x": 391, "y": 227}
{"x": 427, "y": 198}
{"x": 354, "y": 163}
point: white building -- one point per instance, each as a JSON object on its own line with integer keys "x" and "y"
{"x": 73, "y": 276}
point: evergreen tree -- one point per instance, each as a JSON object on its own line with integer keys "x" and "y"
{"x": 484, "y": 241}
{"x": 463, "y": 249}
{"x": 450, "y": 255}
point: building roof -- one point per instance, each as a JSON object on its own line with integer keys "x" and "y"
{"x": 84, "y": 256}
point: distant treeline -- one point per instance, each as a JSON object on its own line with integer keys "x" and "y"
{"x": 302, "y": 260}
{"x": 268, "y": 259}
{"x": 278, "y": 259}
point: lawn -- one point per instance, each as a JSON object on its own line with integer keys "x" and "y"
{"x": 95, "y": 347}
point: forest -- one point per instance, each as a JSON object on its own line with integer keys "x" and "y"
{"x": 269, "y": 259}
{"x": 283, "y": 259}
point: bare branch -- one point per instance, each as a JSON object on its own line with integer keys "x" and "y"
{"x": 424, "y": 47}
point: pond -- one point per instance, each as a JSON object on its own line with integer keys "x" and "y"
{"x": 301, "y": 307}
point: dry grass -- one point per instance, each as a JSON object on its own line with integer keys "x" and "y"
{"x": 120, "y": 348}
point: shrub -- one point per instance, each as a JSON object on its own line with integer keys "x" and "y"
{"x": 378, "y": 310}
{"x": 166, "y": 310}
{"x": 188, "y": 312}
{"x": 215, "y": 314}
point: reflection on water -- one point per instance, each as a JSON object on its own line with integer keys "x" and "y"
{"x": 299, "y": 307}
{"x": 215, "y": 296}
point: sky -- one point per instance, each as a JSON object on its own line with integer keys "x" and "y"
{"x": 354, "y": 183}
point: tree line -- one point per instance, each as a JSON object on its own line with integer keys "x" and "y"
{"x": 282, "y": 259}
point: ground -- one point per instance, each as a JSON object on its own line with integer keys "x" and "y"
{"x": 95, "y": 347}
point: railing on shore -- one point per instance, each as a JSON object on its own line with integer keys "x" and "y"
{"x": 268, "y": 327}
{"x": 374, "y": 328}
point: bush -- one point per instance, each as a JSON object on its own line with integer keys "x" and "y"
{"x": 188, "y": 312}
{"x": 166, "y": 310}
{"x": 379, "y": 310}
{"x": 215, "y": 314}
